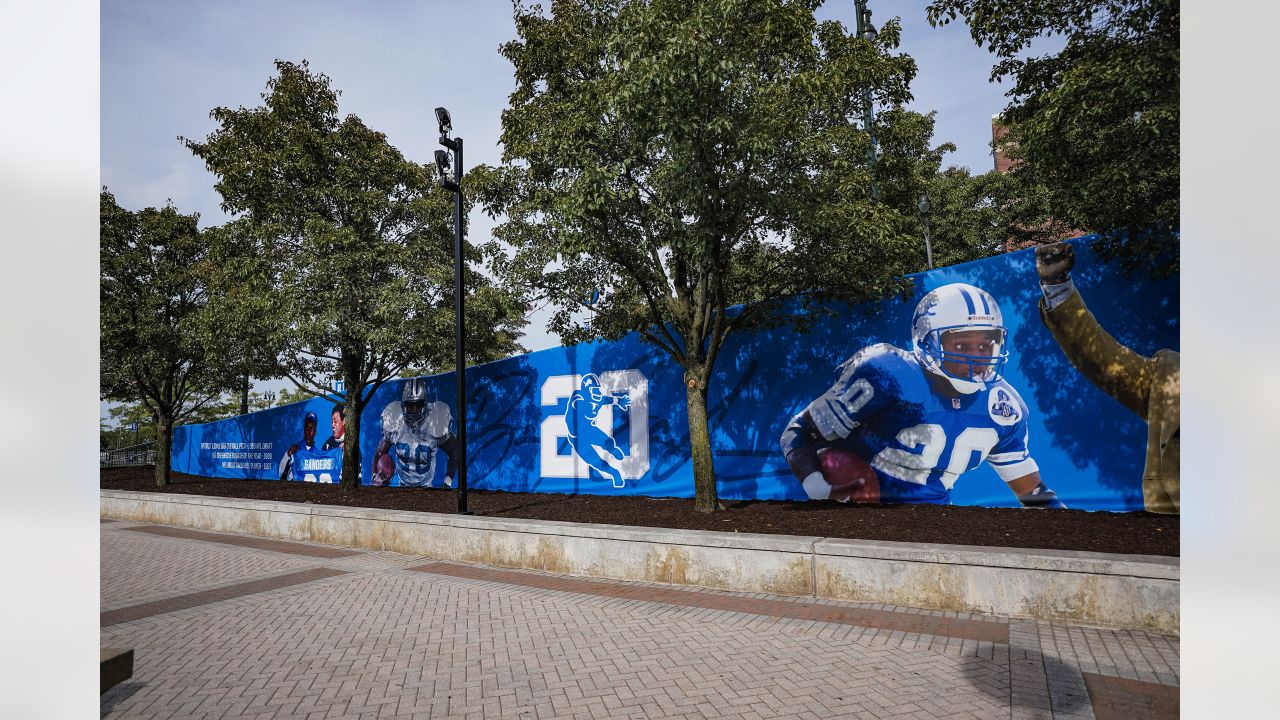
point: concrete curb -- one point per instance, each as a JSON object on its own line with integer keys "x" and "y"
{"x": 1127, "y": 591}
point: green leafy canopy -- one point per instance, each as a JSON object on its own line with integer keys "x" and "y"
{"x": 680, "y": 169}
{"x": 683, "y": 158}
{"x": 154, "y": 298}
{"x": 1096, "y": 126}
{"x": 339, "y": 263}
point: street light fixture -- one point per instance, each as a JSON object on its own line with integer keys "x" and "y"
{"x": 928, "y": 244}
{"x": 445, "y": 123}
{"x": 442, "y": 164}
{"x": 867, "y": 32}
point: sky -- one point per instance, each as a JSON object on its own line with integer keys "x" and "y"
{"x": 162, "y": 66}
{"x": 166, "y": 64}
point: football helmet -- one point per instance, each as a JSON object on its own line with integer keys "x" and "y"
{"x": 591, "y": 387}
{"x": 415, "y": 397}
{"x": 959, "y": 307}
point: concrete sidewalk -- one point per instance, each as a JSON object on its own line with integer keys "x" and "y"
{"x": 239, "y": 626}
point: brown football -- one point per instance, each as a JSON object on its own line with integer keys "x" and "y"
{"x": 851, "y": 477}
{"x": 383, "y": 471}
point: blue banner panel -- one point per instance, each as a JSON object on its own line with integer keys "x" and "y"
{"x": 883, "y": 421}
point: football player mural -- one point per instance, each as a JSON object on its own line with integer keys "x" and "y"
{"x": 594, "y": 444}
{"x": 304, "y": 461}
{"x": 902, "y": 426}
{"x": 1081, "y": 415}
{"x": 414, "y": 431}
{"x": 308, "y": 442}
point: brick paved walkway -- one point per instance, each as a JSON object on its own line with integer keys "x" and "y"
{"x": 233, "y": 626}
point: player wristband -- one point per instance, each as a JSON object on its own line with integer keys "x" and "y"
{"x": 816, "y": 486}
{"x": 1041, "y": 497}
{"x": 1055, "y": 295}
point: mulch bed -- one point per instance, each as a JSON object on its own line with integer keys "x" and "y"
{"x": 1135, "y": 533}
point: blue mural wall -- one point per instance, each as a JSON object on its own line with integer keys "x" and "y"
{"x": 533, "y": 426}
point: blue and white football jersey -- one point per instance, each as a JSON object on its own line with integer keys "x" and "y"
{"x": 883, "y": 408}
{"x": 415, "y": 446}
{"x": 317, "y": 465}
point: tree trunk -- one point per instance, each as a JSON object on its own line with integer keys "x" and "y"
{"x": 706, "y": 497}
{"x": 351, "y": 446}
{"x": 164, "y": 446}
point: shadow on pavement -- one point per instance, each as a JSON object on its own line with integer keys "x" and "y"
{"x": 1054, "y": 686}
{"x": 118, "y": 693}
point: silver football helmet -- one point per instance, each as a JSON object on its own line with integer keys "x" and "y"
{"x": 958, "y": 308}
{"x": 416, "y": 395}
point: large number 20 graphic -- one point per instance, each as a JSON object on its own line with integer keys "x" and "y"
{"x": 931, "y": 439}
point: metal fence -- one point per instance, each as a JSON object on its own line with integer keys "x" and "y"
{"x": 134, "y": 455}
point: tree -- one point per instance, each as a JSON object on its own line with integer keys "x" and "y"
{"x": 695, "y": 164}
{"x": 116, "y": 433}
{"x": 976, "y": 216}
{"x": 1095, "y": 126}
{"x": 228, "y": 406}
{"x": 294, "y": 395}
{"x": 339, "y": 261}
{"x": 964, "y": 220}
{"x": 152, "y": 301}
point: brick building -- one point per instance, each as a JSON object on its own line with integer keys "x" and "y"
{"x": 1048, "y": 231}
{"x": 998, "y": 130}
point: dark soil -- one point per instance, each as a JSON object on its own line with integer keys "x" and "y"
{"x": 1135, "y": 533}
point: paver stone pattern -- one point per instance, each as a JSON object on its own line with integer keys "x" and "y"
{"x": 229, "y": 626}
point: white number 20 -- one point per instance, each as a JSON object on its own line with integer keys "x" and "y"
{"x": 931, "y": 439}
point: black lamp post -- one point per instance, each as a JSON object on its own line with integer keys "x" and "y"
{"x": 867, "y": 32}
{"x": 460, "y": 355}
{"x": 928, "y": 244}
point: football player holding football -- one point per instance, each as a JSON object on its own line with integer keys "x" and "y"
{"x": 903, "y": 426}
{"x": 415, "y": 428}
{"x": 591, "y": 442}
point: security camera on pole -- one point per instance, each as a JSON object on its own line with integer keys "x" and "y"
{"x": 460, "y": 361}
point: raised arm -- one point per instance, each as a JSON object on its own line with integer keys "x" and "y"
{"x": 1115, "y": 369}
